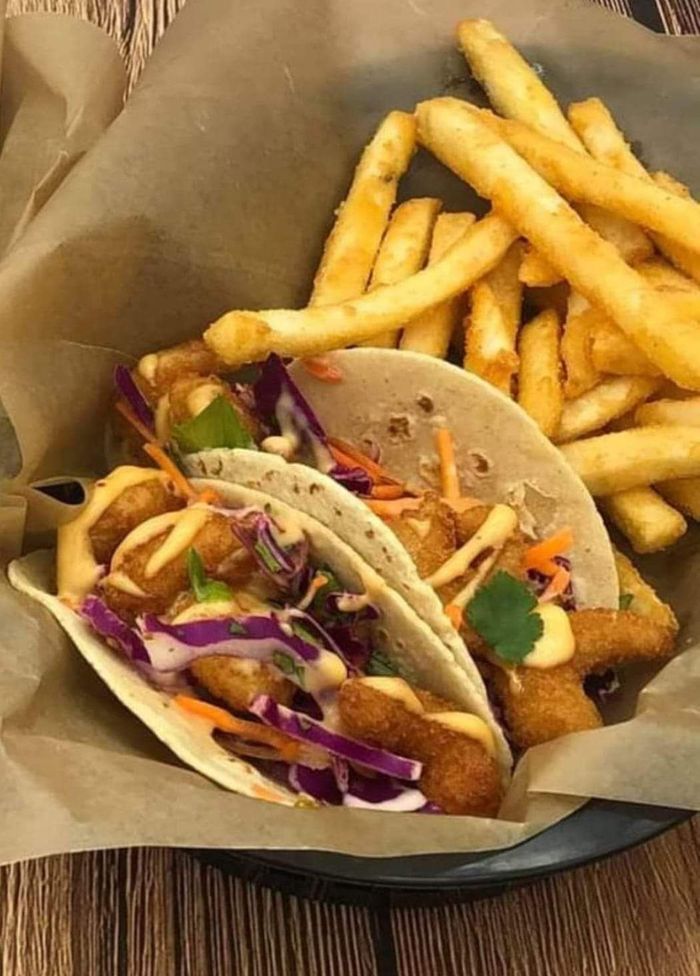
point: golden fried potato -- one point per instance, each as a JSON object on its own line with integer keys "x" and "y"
{"x": 430, "y": 333}
{"x": 353, "y": 243}
{"x": 576, "y": 347}
{"x": 403, "y": 251}
{"x": 464, "y": 138}
{"x": 642, "y": 515}
{"x": 594, "y": 409}
{"x": 640, "y": 456}
{"x": 540, "y": 392}
{"x": 645, "y": 600}
{"x": 242, "y": 337}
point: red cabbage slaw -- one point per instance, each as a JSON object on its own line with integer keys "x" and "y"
{"x": 278, "y": 398}
{"x": 125, "y": 384}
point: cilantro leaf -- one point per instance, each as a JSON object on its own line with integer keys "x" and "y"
{"x": 501, "y": 612}
{"x": 205, "y": 590}
{"x": 303, "y": 634}
{"x": 626, "y": 600}
{"x": 287, "y": 665}
{"x": 218, "y": 425}
{"x": 380, "y": 666}
{"x": 332, "y": 585}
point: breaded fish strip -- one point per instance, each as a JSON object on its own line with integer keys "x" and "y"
{"x": 215, "y": 543}
{"x": 428, "y": 533}
{"x": 156, "y": 372}
{"x": 540, "y": 705}
{"x": 238, "y": 682}
{"x": 458, "y": 773}
{"x": 134, "y": 506}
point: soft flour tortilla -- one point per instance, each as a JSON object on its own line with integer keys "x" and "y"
{"x": 399, "y": 633}
{"x": 396, "y": 400}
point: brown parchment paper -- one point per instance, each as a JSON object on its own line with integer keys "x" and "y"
{"x": 214, "y": 188}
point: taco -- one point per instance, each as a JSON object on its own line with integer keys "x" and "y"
{"x": 264, "y": 651}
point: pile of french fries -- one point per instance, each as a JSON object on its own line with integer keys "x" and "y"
{"x": 578, "y": 294}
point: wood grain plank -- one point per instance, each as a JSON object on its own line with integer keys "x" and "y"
{"x": 635, "y": 915}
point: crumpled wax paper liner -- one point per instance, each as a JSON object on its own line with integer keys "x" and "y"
{"x": 214, "y": 188}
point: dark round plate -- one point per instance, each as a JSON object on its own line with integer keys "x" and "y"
{"x": 598, "y": 829}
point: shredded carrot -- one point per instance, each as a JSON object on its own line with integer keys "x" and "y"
{"x": 455, "y": 614}
{"x": 316, "y": 584}
{"x": 209, "y": 497}
{"x": 128, "y": 414}
{"x": 387, "y": 491}
{"x": 449, "y": 478}
{"x": 346, "y": 453}
{"x": 390, "y": 508}
{"x": 252, "y": 731}
{"x": 157, "y": 454}
{"x": 545, "y": 551}
{"x": 548, "y": 567}
{"x": 320, "y": 368}
{"x": 557, "y": 585}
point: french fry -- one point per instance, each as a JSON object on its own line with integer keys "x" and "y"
{"x": 645, "y": 519}
{"x": 493, "y": 323}
{"x": 630, "y": 240}
{"x": 535, "y": 272}
{"x": 665, "y": 278}
{"x": 610, "y": 463}
{"x": 685, "y": 413}
{"x": 613, "y": 352}
{"x": 353, "y": 243}
{"x": 598, "y": 131}
{"x": 512, "y": 85}
{"x": 539, "y": 382}
{"x": 431, "y": 332}
{"x": 403, "y": 250}
{"x": 243, "y": 337}
{"x": 517, "y": 92}
{"x": 584, "y": 179}
{"x": 581, "y": 374}
{"x": 456, "y": 133}
{"x": 684, "y": 494}
{"x": 610, "y": 399}
{"x": 645, "y": 600}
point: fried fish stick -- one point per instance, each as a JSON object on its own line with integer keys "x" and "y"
{"x": 456, "y": 133}
{"x": 459, "y": 774}
{"x": 606, "y": 401}
{"x": 404, "y": 250}
{"x": 608, "y": 638}
{"x": 630, "y": 458}
{"x": 431, "y": 332}
{"x": 244, "y": 337}
{"x": 353, "y": 243}
{"x": 650, "y": 523}
{"x": 492, "y": 326}
{"x": 584, "y": 179}
{"x": 539, "y": 383}
{"x": 597, "y": 129}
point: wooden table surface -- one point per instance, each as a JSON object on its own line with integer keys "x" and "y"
{"x": 162, "y": 913}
